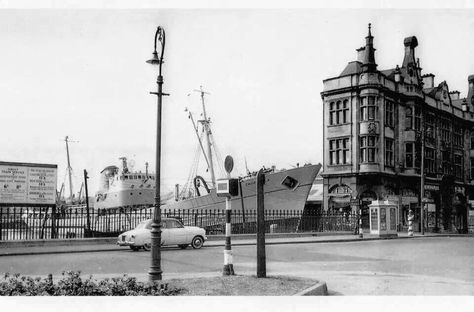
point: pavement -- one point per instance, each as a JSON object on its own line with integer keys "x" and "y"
{"x": 35, "y": 247}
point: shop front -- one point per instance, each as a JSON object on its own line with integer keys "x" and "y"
{"x": 430, "y": 203}
{"x": 339, "y": 199}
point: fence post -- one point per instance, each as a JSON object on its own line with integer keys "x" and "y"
{"x": 22, "y": 224}
{"x": 53, "y": 221}
{"x": 87, "y": 201}
{"x": 44, "y": 222}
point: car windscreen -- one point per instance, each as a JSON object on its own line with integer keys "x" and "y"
{"x": 174, "y": 224}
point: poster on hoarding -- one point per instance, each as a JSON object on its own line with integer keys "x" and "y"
{"x": 24, "y": 183}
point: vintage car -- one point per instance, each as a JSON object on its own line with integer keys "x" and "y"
{"x": 173, "y": 232}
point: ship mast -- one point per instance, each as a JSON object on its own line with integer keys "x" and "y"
{"x": 197, "y": 135}
{"x": 207, "y": 130}
{"x": 69, "y": 168}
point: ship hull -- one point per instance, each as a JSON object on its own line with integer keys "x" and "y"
{"x": 277, "y": 196}
{"x": 127, "y": 198}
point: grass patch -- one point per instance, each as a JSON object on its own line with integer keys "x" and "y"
{"x": 240, "y": 285}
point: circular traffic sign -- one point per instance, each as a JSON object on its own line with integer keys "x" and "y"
{"x": 228, "y": 163}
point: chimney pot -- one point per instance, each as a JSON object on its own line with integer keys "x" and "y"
{"x": 411, "y": 42}
{"x": 428, "y": 80}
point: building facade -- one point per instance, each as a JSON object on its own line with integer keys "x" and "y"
{"x": 381, "y": 127}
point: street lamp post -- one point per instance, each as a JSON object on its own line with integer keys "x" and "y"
{"x": 155, "y": 268}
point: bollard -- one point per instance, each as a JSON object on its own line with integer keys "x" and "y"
{"x": 228, "y": 266}
{"x": 410, "y": 223}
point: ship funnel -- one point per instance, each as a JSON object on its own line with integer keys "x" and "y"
{"x": 124, "y": 164}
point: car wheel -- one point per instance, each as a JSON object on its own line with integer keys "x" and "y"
{"x": 197, "y": 242}
{"x": 147, "y": 246}
{"x": 134, "y": 248}
{"x": 183, "y": 246}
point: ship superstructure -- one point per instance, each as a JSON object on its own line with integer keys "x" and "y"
{"x": 123, "y": 188}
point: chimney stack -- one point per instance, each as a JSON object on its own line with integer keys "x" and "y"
{"x": 410, "y": 44}
{"x": 360, "y": 54}
{"x": 454, "y": 95}
{"x": 428, "y": 80}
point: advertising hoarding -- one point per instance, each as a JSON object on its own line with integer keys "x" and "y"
{"x": 27, "y": 184}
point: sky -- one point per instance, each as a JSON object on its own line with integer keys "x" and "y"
{"x": 82, "y": 74}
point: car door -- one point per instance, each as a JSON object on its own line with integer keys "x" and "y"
{"x": 177, "y": 233}
{"x": 165, "y": 233}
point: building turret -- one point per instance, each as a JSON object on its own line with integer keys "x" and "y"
{"x": 410, "y": 44}
{"x": 368, "y": 64}
{"x": 470, "y": 92}
{"x": 410, "y": 63}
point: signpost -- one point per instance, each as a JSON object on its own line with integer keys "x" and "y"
{"x": 87, "y": 201}
{"x": 228, "y": 266}
{"x": 27, "y": 184}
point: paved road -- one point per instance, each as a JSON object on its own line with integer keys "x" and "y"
{"x": 427, "y": 266}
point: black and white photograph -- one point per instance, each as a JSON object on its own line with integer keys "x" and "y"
{"x": 242, "y": 150}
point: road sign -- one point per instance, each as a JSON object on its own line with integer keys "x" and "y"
{"x": 228, "y": 164}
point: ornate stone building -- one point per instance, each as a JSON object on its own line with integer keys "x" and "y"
{"x": 376, "y": 125}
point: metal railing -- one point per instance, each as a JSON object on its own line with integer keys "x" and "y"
{"x": 40, "y": 223}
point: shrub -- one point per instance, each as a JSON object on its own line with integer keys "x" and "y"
{"x": 72, "y": 284}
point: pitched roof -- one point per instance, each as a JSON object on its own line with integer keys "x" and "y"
{"x": 354, "y": 67}
{"x": 390, "y": 73}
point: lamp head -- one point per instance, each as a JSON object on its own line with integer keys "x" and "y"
{"x": 154, "y": 60}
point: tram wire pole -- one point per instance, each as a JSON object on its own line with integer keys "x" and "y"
{"x": 261, "y": 260}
